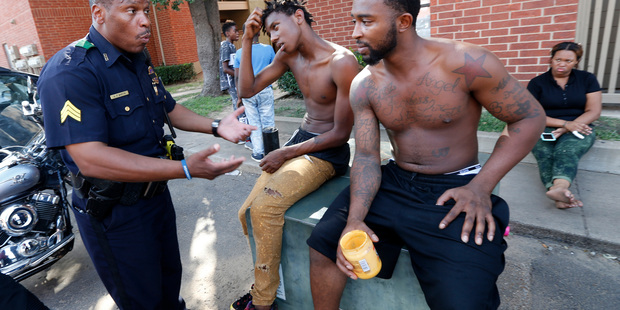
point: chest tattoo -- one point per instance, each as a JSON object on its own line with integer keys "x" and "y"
{"x": 436, "y": 86}
{"x": 473, "y": 69}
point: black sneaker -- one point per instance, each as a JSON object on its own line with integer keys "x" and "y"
{"x": 242, "y": 302}
{"x": 250, "y": 306}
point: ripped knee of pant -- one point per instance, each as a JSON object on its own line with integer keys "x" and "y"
{"x": 263, "y": 267}
{"x": 272, "y": 193}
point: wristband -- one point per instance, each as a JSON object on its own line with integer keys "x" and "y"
{"x": 214, "y": 126}
{"x": 186, "y": 170}
{"x": 564, "y": 126}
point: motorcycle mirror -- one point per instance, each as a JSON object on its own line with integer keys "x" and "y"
{"x": 31, "y": 85}
{"x": 35, "y": 107}
{"x": 27, "y": 108}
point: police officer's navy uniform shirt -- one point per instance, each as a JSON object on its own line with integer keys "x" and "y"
{"x": 568, "y": 103}
{"x": 96, "y": 93}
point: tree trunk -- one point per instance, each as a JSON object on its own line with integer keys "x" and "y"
{"x": 206, "y": 19}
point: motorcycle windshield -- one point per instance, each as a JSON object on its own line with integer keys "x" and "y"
{"x": 16, "y": 129}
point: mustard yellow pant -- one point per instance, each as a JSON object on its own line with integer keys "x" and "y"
{"x": 271, "y": 196}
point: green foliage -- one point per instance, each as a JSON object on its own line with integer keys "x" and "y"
{"x": 489, "y": 123}
{"x": 288, "y": 84}
{"x": 174, "y": 4}
{"x": 607, "y": 128}
{"x": 176, "y": 73}
{"x": 359, "y": 58}
{"x": 206, "y": 106}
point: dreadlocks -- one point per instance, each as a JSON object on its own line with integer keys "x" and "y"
{"x": 287, "y": 7}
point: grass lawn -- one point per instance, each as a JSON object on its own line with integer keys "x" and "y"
{"x": 205, "y": 106}
{"x": 179, "y": 87}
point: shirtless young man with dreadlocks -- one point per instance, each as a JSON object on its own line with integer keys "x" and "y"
{"x": 317, "y": 151}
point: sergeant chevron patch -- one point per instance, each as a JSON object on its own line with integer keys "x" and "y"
{"x": 71, "y": 111}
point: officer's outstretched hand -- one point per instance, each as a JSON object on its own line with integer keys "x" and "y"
{"x": 232, "y": 129}
{"x": 201, "y": 166}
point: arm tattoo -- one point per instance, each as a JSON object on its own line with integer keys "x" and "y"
{"x": 473, "y": 69}
{"x": 364, "y": 132}
{"x": 365, "y": 180}
{"x": 517, "y": 104}
{"x": 501, "y": 85}
{"x": 522, "y": 99}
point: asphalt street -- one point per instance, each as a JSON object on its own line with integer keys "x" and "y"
{"x": 539, "y": 274}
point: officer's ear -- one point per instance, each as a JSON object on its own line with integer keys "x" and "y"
{"x": 98, "y": 13}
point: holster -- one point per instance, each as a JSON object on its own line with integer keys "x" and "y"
{"x": 103, "y": 195}
{"x": 99, "y": 206}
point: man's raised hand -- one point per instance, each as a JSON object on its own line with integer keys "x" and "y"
{"x": 253, "y": 24}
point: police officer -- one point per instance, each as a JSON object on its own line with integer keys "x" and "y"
{"x": 105, "y": 108}
{"x": 15, "y": 296}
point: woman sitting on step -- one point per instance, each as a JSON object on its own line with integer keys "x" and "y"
{"x": 572, "y": 100}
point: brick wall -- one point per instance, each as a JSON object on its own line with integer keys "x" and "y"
{"x": 53, "y": 24}
{"x": 333, "y": 20}
{"x": 520, "y": 32}
{"x": 59, "y": 22}
{"x": 177, "y": 37}
{"x": 17, "y": 27}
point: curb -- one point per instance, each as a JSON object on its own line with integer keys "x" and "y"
{"x": 585, "y": 242}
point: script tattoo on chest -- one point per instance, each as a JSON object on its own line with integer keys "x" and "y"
{"x": 436, "y": 86}
{"x": 384, "y": 98}
{"x": 401, "y": 107}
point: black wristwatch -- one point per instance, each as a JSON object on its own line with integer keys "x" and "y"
{"x": 214, "y": 125}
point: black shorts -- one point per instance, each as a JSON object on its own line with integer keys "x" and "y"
{"x": 338, "y": 156}
{"x": 403, "y": 213}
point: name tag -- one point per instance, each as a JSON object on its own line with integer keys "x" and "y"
{"x": 118, "y": 95}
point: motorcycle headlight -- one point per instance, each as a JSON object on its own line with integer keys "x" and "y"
{"x": 18, "y": 219}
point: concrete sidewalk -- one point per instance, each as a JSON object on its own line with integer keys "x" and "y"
{"x": 532, "y": 213}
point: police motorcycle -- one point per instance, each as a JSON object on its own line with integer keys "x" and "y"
{"x": 35, "y": 226}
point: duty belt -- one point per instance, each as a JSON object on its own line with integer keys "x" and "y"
{"x": 127, "y": 193}
{"x": 103, "y": 195}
